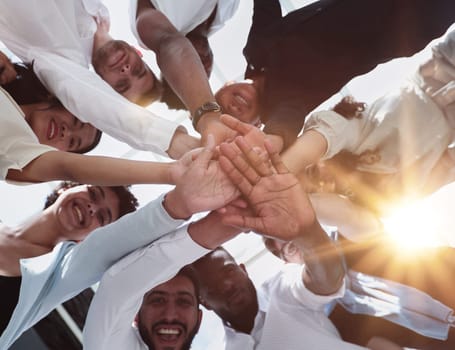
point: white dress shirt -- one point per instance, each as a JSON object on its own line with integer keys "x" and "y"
{"x": 18, "y": 143}
{"x": 119, "y": 295}
{"x": 185, "y": 15}
{"x": 290, "y": 317}
{"x": 57, "y": 36}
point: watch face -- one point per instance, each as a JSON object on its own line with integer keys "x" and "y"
{"x": 211, "y": 106}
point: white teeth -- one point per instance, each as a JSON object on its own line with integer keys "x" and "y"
{"x": 51, "y": 136}
{"x": 241, "y": 99}
{"x": 79, "y": 214}
{"x": 168, "y": 331}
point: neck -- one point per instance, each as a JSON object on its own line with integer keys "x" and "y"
{"x": 30, "y": 108}
{"x": 40, "y": 230}
{"x": 244, "y": 322}
{"x": 100, "y": 38}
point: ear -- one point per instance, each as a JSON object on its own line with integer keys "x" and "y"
{"x": 204, "y": 303}
{"x": 139, "y": 52}
{"x": 242, "y": 266}
{"x": 199, "y": 318}
{"x": 136, "y": 320}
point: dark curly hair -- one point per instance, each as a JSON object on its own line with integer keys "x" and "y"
{"x": 127, "y": 201}
{"x": 349, "y": 108}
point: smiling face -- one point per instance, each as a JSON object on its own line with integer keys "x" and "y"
{"x": 225, "y": 287}
{"x": 240, "y": 100}
{"x": 56, "y": 127}
{"x": 82, "y": 209}
{"x": 169, "y": 316}
{"x": 121, "y": 67}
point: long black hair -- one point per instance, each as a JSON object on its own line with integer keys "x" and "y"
{"x": 26, "y": 88}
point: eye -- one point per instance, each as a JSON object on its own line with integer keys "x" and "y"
{"x": 72, "y": 143}
{"x": 92, "y": 194}
{"x": 157, "y": 300}
{"x": 101, "y": 219}
{"x": 185, "y": 302}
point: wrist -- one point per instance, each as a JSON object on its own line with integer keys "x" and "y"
{"x": 205, "y": 120}
{"x": 176, "y": 207}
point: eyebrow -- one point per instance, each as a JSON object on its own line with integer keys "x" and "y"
{"x": 180, "y": 293}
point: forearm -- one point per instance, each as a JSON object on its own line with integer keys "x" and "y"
{"x": 96, "y": 170}
{"x": 307, "y": 149}
{"x": 324, "y": 271}
{"x": 210, "y": 233}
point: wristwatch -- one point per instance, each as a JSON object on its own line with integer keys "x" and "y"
{"x": 205, "y": 108}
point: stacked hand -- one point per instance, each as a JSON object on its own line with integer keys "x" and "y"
{"x": 203, "y": 186}
{"x": 281, "y": 207}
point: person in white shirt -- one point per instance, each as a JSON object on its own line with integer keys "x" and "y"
{"x": 293, "y": 316}
{"x": 57, "y": 276}
{"x": 61, "y": 41}
{"x": 282, "y": 212}
{"x": 162, "y": 26}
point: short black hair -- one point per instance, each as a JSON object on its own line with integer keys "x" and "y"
{"x": 127, "y": 201}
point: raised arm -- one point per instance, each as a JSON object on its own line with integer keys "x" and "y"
{"x": 282, "y": 210}
{"x": 181, "y": 66}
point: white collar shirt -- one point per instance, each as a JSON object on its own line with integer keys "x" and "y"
{"x": 294, "y": 318}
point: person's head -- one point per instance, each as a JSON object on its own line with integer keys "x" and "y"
{"x": 225, "y": 287}
{"x": 55, "y": 126}
{"x": 79, "y": 209}
{"x": 122, "y": 67}
{"x": 240, "y": 100}
{"x": 169, "y": 316}
{"x": 286, "y": 251}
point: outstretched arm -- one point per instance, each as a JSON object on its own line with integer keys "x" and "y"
{"x": 180, "y": 64}
{"x": 282, "y": 210}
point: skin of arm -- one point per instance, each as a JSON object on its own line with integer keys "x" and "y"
{"x": 307, "y": 149}
{"x": 180, "y": 64}
{"x": 106, "y": 171}
{"x": 353, "y": 221}
{"x": 282, "y": 210}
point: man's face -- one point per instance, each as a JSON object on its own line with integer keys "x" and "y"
{"x": 121, "y": 67}
{"x": 240, "y": 100}
{"x": 56, "y": 127}
{"x": 226, "y": 287}
{"x": 169, "y": 316}
{"x": 81, "y": 209}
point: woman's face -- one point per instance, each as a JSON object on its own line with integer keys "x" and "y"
{"x": 81, "y": 209}
{"x": 239, "y": 100}
{"x": 56, "y": 127}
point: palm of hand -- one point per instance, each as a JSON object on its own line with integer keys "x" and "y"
{"x": 208, "y": 188}
{"x": 281, "y": 206}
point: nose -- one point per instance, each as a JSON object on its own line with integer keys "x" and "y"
{"x": 92, "y": 208}
{"x": 65, "y": 131}
{"x": 125, "y": 68}
{"x": 170, "y": 312}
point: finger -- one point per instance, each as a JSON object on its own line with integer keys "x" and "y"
{"x": 235, "y": 124}
{"x": 206, "y": 154}
{"x": 257, "y": 161}
{"x": 242, "y": 165}
{"x": 275, "y": 158}
{"x": 237, "y": 178}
